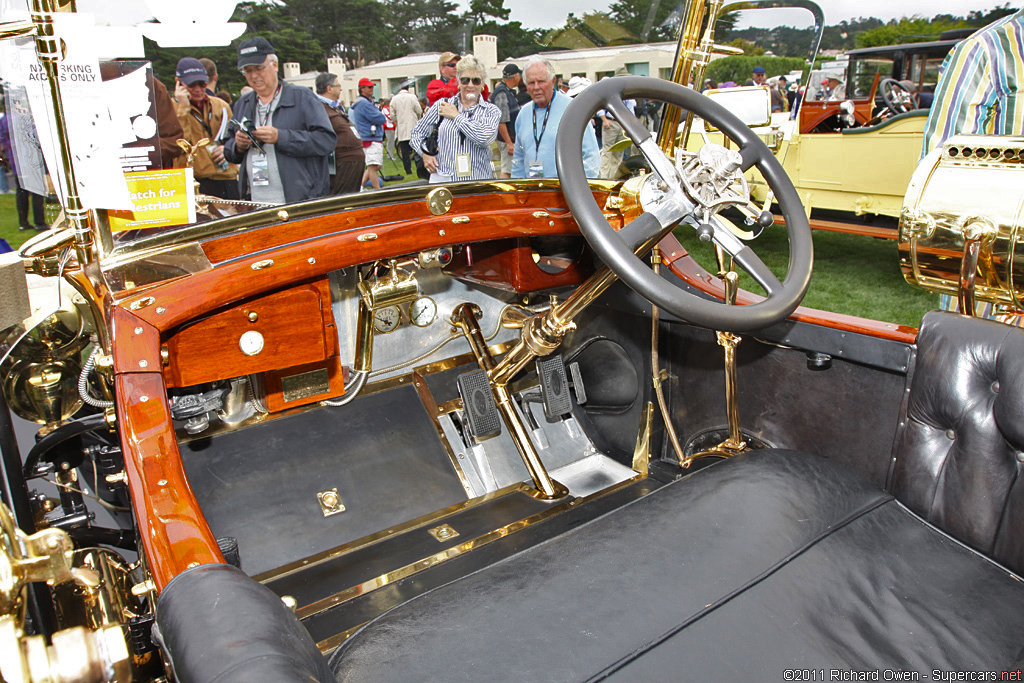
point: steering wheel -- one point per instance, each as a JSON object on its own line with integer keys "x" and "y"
{"x": 621, "y": 249}
{"x": 896, "y": 96}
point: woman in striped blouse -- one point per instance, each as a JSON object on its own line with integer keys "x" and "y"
{"x": 467, "y": 125}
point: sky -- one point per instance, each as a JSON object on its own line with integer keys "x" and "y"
{"x": 548, "y": 14}
{"x": 544, "y": 14}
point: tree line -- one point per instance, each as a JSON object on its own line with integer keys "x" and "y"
{"x": 366, "y": 31}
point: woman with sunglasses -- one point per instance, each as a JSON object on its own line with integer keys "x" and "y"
{"x": 466, "y": 125}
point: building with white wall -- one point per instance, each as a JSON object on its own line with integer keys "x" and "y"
{"x": 647, "y": 59}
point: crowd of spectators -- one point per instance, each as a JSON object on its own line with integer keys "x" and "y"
{"x": 280, "y": 143}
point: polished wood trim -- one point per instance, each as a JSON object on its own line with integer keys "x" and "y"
{"x": 520, "y": 205}
{"x": 509, "y": 265}
{"x": 181, "y": 301}
{"x": 684, "y": 267}
{"x": 294, "y": 323}
{"x": 172, "y": 529}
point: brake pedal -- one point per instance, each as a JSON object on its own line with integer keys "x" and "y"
{"x": 478, "y": 405}
{"x": 554, "y": 386}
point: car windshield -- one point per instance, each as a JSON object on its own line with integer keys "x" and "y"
{"x": 864, "y": 72}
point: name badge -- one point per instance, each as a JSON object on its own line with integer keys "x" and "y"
{"x": 462, "y": 166}
{"x": 536, "y": 169}
{"x": 260, "y": 170}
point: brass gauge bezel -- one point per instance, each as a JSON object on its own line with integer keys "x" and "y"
{"x": 433, "y": 316}
{"x": 376, "y": 320}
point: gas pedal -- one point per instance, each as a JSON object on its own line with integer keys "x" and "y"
{"x": 554, "y": 386}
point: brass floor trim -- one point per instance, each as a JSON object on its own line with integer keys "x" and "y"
{"x": 455, "y": 551}
{"x": 424, "y": 520}
{"x": 434, "y": 410}
{"x": 329, "y": 645}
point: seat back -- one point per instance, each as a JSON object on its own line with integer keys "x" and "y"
{"x": 959, "y": 454}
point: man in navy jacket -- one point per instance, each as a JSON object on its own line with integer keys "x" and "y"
{"x": 287, "y": 162}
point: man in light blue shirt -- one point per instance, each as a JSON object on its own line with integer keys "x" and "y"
{"x": 537, "y": 126}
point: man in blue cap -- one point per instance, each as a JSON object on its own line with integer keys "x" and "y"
{"x": 758, "y": 78}
{"x": 204, "y": 116}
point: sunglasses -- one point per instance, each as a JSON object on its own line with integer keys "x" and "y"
{"x": 466, "y": 80}
{"x": 450, "y": 64}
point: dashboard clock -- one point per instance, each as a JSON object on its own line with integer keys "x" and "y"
{"x": 386, "y": 319}
{"x": 423, "y": 311}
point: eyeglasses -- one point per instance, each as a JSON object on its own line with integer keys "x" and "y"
{"x": 466, "y": 80}
{"x": 252, "y": 70}
{"x": 199, "y": 84}
{"x": 450, "y": 64}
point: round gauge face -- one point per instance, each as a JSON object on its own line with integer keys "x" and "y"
{"x": 423, "y": 311}
{"x": 386, "y": 319}
{"x": 251, "y": 343}
{"x": 650, "y": 193}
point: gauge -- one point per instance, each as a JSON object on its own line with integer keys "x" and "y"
{"x": 251, "y": 343}
{"x": 386, "y": 319}
{"x": 423, "y": 311}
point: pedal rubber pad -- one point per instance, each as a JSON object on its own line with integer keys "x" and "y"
{"x": 554, "y": 386}
{"x": 478, "y": 405}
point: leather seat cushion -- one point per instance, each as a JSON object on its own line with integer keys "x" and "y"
{"x": 959, "y": 458}
{"x": 776, "y": 558}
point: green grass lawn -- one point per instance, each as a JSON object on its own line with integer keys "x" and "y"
{"x": 9, "y": 222}
{"x": 852, "y": 274}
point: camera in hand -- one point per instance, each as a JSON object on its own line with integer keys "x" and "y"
{"x": 249, "y": 128}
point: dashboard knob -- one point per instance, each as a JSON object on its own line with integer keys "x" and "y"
{"x": 251, "y": 343}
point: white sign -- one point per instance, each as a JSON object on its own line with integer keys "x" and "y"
{"x": 93, "y": 138}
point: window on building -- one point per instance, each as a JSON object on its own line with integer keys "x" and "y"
{"x": 639, "y": 68}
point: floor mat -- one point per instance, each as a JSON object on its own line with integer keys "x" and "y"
{"x": 260, "y": 484}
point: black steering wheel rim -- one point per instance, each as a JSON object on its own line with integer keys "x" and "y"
{"x": 891, "y": 84}
{"x": 620, "y": 257}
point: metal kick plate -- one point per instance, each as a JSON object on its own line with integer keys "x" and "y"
{"x": 330, "y": 502}
{"x": 443, "y": 533}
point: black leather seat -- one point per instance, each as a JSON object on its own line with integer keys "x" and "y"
{"x": 959, "y": 458}
{"x": 771, "y": 561}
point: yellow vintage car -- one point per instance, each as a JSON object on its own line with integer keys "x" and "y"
{"x": 855, "y": 154}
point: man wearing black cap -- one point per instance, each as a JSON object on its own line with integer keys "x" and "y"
{"x": 293, "y": 133}
{"x": 504, "y": 98}
{"x": 204, "y": 116}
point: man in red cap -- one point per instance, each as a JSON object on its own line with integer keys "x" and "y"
{"x": 447, "y": 85}
{"x": 369, "y": 122}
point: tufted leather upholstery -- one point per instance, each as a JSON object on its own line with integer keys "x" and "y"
{"x": 769, "y": 561}
{"x": 956, "y": 460}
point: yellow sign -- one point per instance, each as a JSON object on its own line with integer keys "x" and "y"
{"x": 161, "y": 198}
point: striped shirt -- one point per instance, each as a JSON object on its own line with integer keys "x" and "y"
{"x": 471, "y": 132}
{"x": 981, "y": 85}
{"x": 978, "y": 93}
